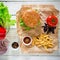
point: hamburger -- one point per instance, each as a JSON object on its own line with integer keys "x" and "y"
{"x": 28, "y": 21}
{"x": 31, "y": 18}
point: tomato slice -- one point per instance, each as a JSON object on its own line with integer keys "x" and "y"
{"x": 52, "y": 20}
{"x": 2, "y": 33}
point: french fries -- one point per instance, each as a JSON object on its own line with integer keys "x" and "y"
{"x": 44, "y": 41}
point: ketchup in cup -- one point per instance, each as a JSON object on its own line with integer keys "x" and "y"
{"x": 2, "y": 33}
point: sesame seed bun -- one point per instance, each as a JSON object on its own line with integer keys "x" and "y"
{"x": 31, "y": 18}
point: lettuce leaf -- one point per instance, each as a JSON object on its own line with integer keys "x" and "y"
{"x": 4, "y": 16}
{"x": 23, "y": 24}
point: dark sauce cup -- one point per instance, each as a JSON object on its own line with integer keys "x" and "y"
{"x": 27, "y": 40}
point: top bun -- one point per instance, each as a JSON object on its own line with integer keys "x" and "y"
{"x": 31, "y": 18}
